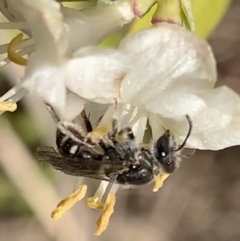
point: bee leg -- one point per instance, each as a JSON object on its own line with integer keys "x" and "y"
{"x": 52, "y": 112}
{"x": 87, "y": 122}
{"x": 115, "y": 124}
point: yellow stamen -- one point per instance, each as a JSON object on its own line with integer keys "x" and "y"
{"x": 12, "y": 54}
{"x": 69, "y": 202}
{"x": 8, "y": 105}
{"x": 95, "y": 203}
{"x": 159, "y": 181}
{"x": 108, "y": 210}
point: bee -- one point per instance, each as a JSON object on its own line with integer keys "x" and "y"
{"x": 112, "y": 155}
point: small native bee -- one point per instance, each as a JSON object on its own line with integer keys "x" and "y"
{"x": 110, "y": 155}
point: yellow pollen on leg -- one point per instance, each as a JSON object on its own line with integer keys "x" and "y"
{"x": 8, "y": 105}
{"x": 108, "y": 210}
{"x": 98, "y": 133}
{"x": 12, "y": 54}
{"x": 69, "y": 202}
{"x": 159, "y": 181}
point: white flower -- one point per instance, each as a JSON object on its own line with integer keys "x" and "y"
{"x": 68, "y": 27}
{"x": 159, "y": 74}
{"x": 57, "y": 32}
{"x": 165, "y": 72}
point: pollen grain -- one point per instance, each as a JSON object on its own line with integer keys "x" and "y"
{"x": 98, "y": 133}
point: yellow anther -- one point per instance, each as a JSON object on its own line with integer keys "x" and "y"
{"x": 108, "y": 210}
{"x": 8, "y": 105}
{"x": 95, "y": 203}
{"x": 69, "y": 202}
{"x": 159, "y": 181}
{"x": 12, "y": 54}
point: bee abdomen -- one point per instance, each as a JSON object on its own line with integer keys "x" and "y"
{"x": 71, "y": 140}
{"x": 72, "y": 143}
{"x": 66, "y": 145}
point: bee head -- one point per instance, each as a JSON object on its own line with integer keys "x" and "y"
{"x": 165, "y": 149}
{"x": 165, "y": 153}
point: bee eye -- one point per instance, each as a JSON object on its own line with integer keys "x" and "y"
{"x": 162, "y": 147}
{"x": 163, "y": 154}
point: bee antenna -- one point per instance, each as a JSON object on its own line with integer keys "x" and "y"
{"x": 187, "y": 136}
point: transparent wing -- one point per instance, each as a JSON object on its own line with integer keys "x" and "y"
{"x": 96, "y": 169}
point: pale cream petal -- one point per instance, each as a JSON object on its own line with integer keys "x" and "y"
{"x": 73, "y": 107}
{"x": 81, "y": 27}
{"x": 176, "y": 102}
{"x": 46, "y": 81}
{"x": 96, "y": 74}
{"x": 218, "y": 126}
{"x": 46, "y": 24}
{"x": 166, "y": 56}
{"x": 91, "y": 25}
{"x": 215, "y": 127}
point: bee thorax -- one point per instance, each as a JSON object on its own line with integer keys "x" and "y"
{"x": 137, "y": 175}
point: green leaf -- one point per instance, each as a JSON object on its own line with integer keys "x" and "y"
{"x": 208, "y": 14}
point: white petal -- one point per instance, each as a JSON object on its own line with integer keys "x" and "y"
{"x": 215, "y": 127}
{"x": 163, "y": 57}
{"x": 45, "y": 20}
{"x": 43, "y": 75}
{"x": 90, "y": 26}
{"x": 85, "y": 27}
{"x": 218, "y": 126}
{"x": 73, "y": 107}
{"x": 96, "y": 74}
{"x": 47, "y": 81}
{"x": 174, "y": 103}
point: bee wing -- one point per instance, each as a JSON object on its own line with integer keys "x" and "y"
{"x": 91, "y": 168}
